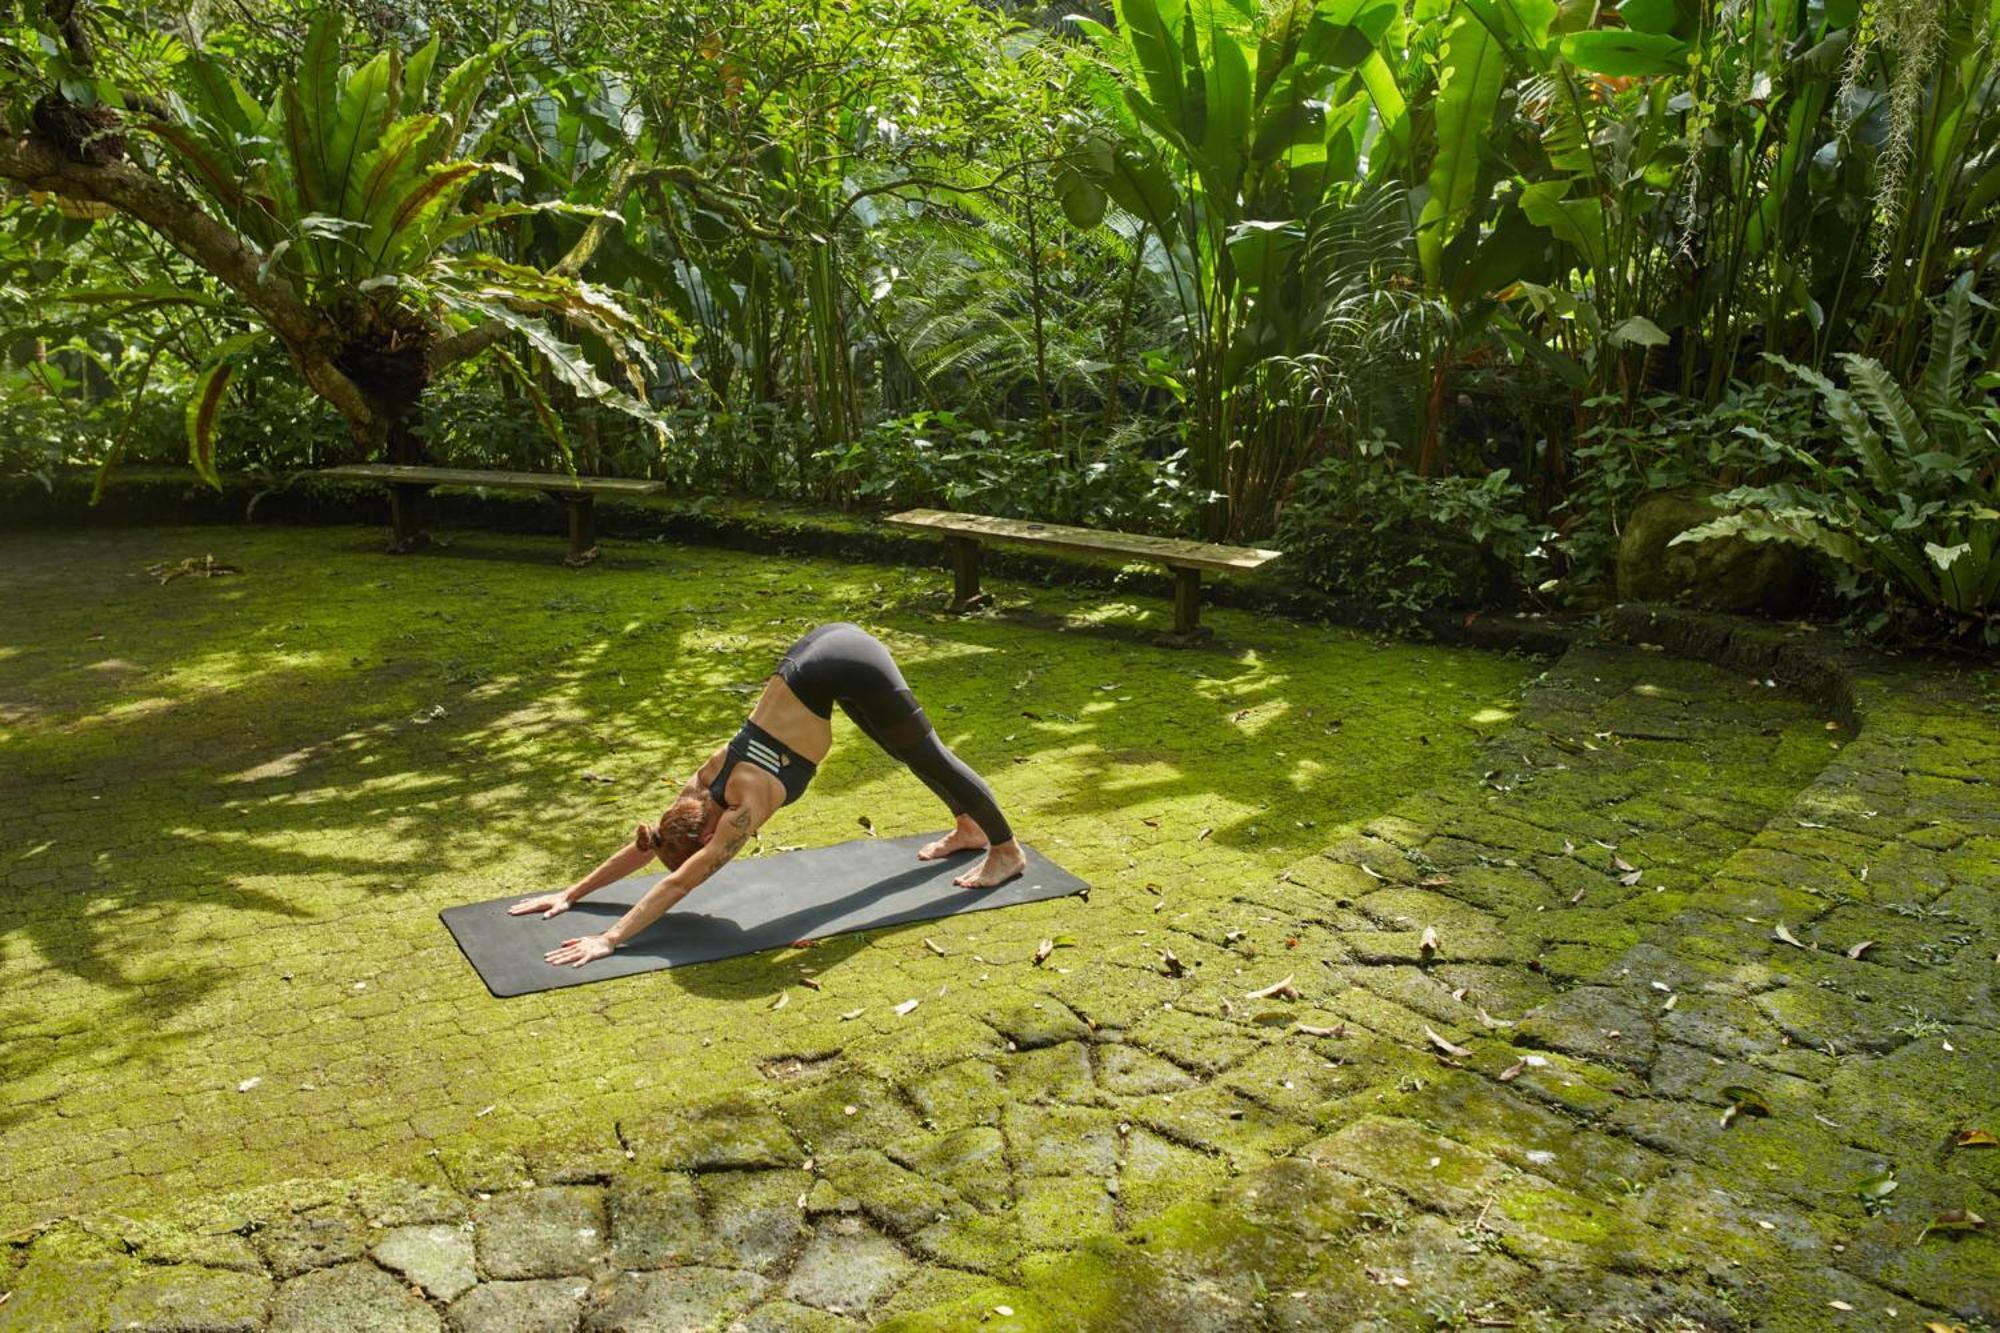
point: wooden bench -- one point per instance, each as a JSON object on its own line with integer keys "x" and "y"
{"x": 964, "y": 533}
{"x": 409, "y": 485}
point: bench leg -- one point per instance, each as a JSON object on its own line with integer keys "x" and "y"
{"x": 582, "y": 529}
{"x": 965, "y": 593}
{"x": 406, "y": 518}
{"x": 1188, "y": 629}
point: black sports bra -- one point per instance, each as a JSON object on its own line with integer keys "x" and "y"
{"x": 755, "y": 746}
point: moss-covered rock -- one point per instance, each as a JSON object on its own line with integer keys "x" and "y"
{"x": 1723, "y": 574}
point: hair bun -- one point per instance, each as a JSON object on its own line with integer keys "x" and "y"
{"x": 642, "y": 837}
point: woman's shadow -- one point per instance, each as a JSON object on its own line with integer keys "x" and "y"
{"x": 744, "y": 962}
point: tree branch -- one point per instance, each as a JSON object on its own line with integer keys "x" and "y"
{"x": 213, "y": 247}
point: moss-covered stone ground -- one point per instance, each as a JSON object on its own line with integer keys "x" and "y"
{"x": 1546, "y": 1055}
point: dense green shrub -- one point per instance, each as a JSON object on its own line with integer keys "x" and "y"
{"x": 935, "y": 458}
{"x": 1363, "y": 528}
{"x": 1903, "y": 492}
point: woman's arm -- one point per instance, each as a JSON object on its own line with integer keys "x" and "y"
{"x": 627, "y": 860}
{"x": 739, "y": 824}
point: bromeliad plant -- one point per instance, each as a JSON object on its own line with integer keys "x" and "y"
{"x": 1912, "y": 494}
{"x": 337, "y": 217}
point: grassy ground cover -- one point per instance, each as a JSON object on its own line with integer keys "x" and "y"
{"x": 230, "y": 808}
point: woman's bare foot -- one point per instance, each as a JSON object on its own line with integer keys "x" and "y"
{"x": 966, "y": 837}
{"x": 999, "y": 865}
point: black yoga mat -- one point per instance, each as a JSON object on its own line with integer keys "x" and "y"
{"x": 765, "y": 902}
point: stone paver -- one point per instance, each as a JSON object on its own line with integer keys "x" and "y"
{"x": 350, "y": 1298}
{"x": 673, "y": 1300}
{"x": 437, "y": 1258}
{"x": 538, "y": 1233}
{"x": 550, "y": 1305}
{"x": 847, "y": 1268}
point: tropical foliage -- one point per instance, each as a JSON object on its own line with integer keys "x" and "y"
{"x": 1216, "y": 266}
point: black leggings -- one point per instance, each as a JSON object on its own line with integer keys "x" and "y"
{"x": 844, "y": 664}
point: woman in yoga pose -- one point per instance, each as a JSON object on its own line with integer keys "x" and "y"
{"x": 769, "y": 763}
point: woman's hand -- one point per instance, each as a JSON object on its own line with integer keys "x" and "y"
{"x": 577, "y": 952}
{"x": 549, "y": 904}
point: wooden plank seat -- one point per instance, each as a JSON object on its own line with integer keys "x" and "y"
{"x": 965, "y": 533}
{"x": 408, "y": 486}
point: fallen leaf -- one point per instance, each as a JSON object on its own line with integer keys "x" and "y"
{"x": 867, "y": 825}
{"x": 1307, "y": 1029}
{"x": 1171, "y": 965}
{"x": 1150, "y": 823}
{"x": 1839, "y": 1305}
{"x": 1780, "y": 933}
{"x": 784, "y": 998}
{"x": 1489, "y": 1022}
{"x": 804, "y": 943}
{"x": 1269, "y": 1018}
{"x": 248, "y": 1084}
{"x": 852, "y": 1014}
{"x": 1621, "y": 864}
{"x": 1874, "y": 1189}
{"x": 1861, "y": 948}
{"x": 1447, "y": 1047}
{"x": 1433, "y": 881}
{"x": 1576, "y": 898}
{"x": 1954, "y": 1219}
{"x": 810, "y": 983}
{"x": 1283, "y": 988}
{"x": 1974, "y": 1138}
{"x": 588, "y": 776}
{"x": 905, "y": 1007}
{"x": 1629, "y": 880}
{"x": 1513, "y": 1071}
{"x": 934, "y": 947}
{"x": 1428, "y": 945}
{"x": 1204, "y": 835}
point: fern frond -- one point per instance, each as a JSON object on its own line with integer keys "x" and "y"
{"x": 1877, "y": 388}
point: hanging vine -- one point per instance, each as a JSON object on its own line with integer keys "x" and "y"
{"x": 1910, "y": 35}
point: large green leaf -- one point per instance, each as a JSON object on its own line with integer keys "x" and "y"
{"x": 417, "y": 75}
{"x": 1883, "y": 473}
{"x": 311, "y": 102}
{"x": 366, "y": 109}
{"x": 1874, "y": 386}
{"x": 1622, "y": 53}
{"x": 1226, "y": 137}
{"x": 221, "y": 100}
{"x": 1139, "y": 183}
{"x": 1653, "y": 16}
{"x": 204, "y": 406}
{"x": 1083, "y": 200}
{"x": 1951, "y": 346}
{"x": 1156, "y": 49}
{"x": 1794, "y": 527}
{"x": 1522, "y": 26}
{"x": 1470, "y": 73}
{"x": 1578, "y": 223}
{"x": 395, "y": 166}
{"x": 1391, "y": 110}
